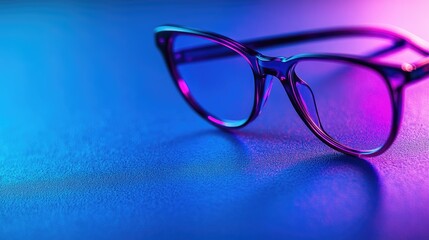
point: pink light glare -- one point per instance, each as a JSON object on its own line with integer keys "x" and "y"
{"x": 183, "y": 87}
{"x": 216, "y": 121}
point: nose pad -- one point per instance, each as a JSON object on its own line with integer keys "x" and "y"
{"x": 267, "y": 89}
{"x": 307, "y": 98}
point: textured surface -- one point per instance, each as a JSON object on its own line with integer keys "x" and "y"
{"x": 96, "y": 141}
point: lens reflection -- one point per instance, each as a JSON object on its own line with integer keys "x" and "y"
{"x": 222, "y": 86}
{"x": 350, "y": 102}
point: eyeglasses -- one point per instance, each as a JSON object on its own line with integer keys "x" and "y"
{"x": 350, "y": 102}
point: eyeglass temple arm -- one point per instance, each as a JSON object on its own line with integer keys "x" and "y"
{"x": 328, "y": 34}
{"x": 215, "y": 51}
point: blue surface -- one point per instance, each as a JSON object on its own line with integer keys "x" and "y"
{"x": 96, "y": 142}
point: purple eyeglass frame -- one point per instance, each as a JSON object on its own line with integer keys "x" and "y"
{"x": 396, "y": 76}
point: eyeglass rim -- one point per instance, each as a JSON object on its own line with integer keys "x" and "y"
{"x": 395, "y": 100}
